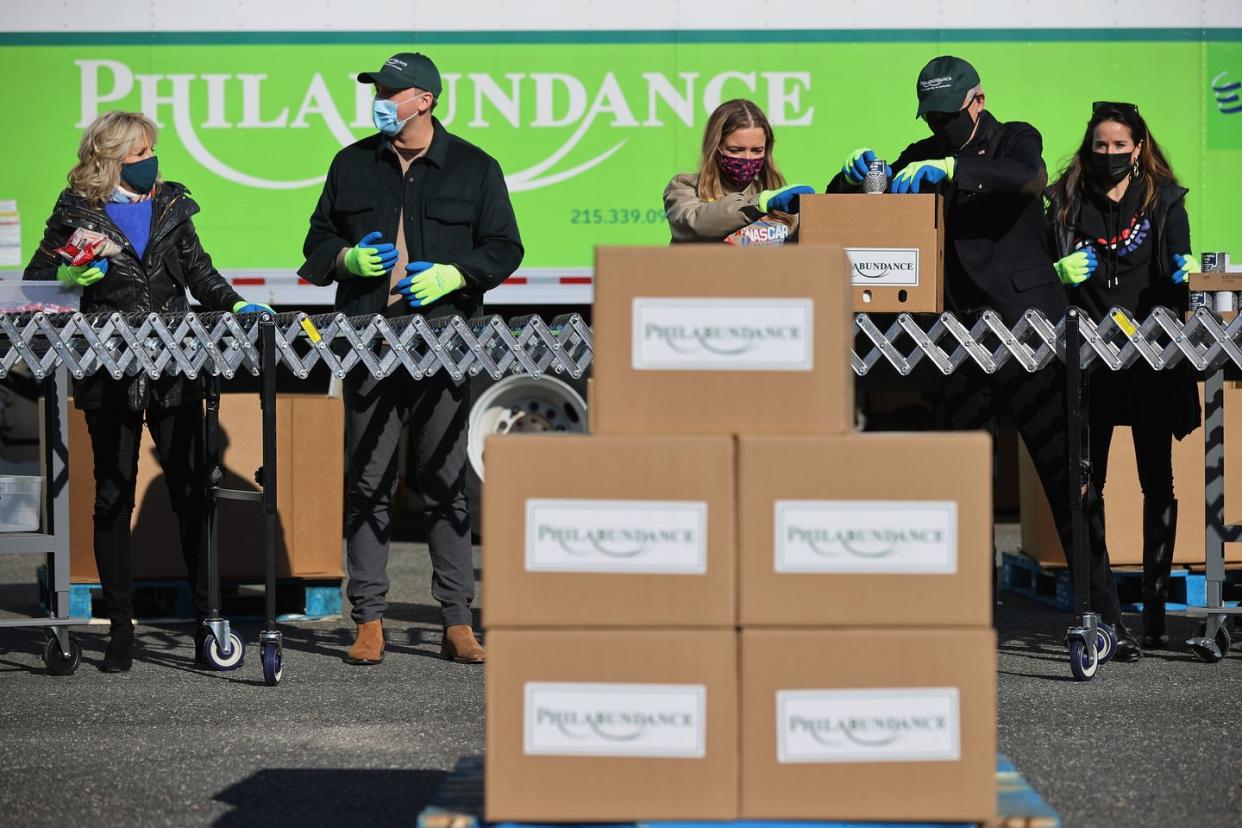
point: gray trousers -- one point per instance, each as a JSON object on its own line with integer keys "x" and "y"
{"x": 375, "y": 413}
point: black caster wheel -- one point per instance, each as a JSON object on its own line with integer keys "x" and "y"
{"x": 1105, "y": 642}
{"x": 55, "y": 659}
{"x": 1082, "y": 664}
{"x": 1223, "y": 642}
{"x": 270, "y": 655}
{"x": 218, "y": 660}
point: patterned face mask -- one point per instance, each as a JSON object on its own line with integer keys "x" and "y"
{"x": 739, "y": 171}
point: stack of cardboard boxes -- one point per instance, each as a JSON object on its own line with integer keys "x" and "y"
{"x": 725, "y": 603}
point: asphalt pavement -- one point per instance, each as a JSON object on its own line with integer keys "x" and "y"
{"x": 1158, "y": 743}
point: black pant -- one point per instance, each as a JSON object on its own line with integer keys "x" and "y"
{"x": 1153, "y": 452}
{"x": 376, "y": 411}
{"x": 1035, "y": 402}
{"x": 116, "y": 437}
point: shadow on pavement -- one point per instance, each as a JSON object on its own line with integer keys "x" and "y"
{"x": 329, "y": 796}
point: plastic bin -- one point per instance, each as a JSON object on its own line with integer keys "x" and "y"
{"x": 20, "y": 500}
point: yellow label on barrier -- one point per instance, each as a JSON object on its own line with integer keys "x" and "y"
{"x": 311, "y": 331}
{"x": 1124, "y": 324}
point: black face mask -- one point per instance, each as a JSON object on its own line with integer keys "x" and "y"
{"x": 953, "y": 132}
{"x": 1108, "y": 168}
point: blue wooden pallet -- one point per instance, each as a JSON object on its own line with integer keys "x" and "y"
{"x": 459, "y": 804}
{"x": 297, "y": 599}
{"x": 1024, "y": 576}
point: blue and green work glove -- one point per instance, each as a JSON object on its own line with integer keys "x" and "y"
{"x": 1077, "y": 267}
{"x": 251, "y": 307}
{"x": 858, "y": 164}
{"x": 426, "y": 283}
{"x": 82, "y": 275}
{"x": 785, "y": 199}
{"x": 371, "y": 257}
{"x": 920, "y": 174}
{"x": 1186, "y": 264}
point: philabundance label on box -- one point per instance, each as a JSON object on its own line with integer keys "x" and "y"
{"x": 659, "y": 537}
{"x": 627, "y": 720}
{"x": 748, "y": 334}
{"x": 894, "y": 537}
{"x": 883, "y": 266}
{"x": 905, "y": 724}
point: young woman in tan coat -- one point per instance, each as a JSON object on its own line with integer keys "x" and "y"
{"x": 738, "y": 195}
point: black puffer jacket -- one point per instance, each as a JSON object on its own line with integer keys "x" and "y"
{"x": 173, "y": 262}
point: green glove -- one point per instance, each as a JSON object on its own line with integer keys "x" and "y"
{"x": 785, "y": 199}
{"x": 80, "y": 275}
{"x": 857, "y": 164}
{"x": 252, "y": 307}
{"x": 1077, "y": 267}
{"x": 366, "y": 259}
{"x": 426, "y": 283}
{"x": 913, "y": 177}
{"x": 1186, "y": 264}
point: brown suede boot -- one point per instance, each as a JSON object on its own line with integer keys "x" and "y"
{"x": 459, "y": 645}
{"x": 369, "y": 645}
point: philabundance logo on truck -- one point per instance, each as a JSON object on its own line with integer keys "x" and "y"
{"x": 631, "y": 720}
{"x": 884, "y": 266}
{"x": 905, "y": 724}
{"x": 878, "y": 537}
{"x": 712, "y": 334}
{"x": 657, "y": 537}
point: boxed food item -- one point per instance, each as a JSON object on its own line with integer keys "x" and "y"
{"x": 698, "y": 339}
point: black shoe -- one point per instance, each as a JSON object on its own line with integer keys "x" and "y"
{"x": 1156, "y": 642}
{"x": 1128, "y": 650}
{"x": 119, "y": 656}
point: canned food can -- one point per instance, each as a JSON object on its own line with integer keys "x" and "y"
{"x": 876, "y": 180}
{"x": 1225, "y": 301}
{"x": 1214, "y": 262}
{"x": 1198, "y": 299}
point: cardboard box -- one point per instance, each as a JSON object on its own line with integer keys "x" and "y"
{"x": 611, "y": 726}
{"x": 1123, "y": 497}
{"x": 310, "y": 449}
{"x": 590, "y": 531}
{"x": 867, "y": 724}
{"x": 709, "y": 339}
{"x": 879, "y": 529}
{"x": 895, "y": 246}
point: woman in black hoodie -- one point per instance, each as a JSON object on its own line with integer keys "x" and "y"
{"x": 1119, "y": 224}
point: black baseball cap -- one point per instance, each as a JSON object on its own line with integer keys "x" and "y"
{"x": 405, "y": 70}
{"x": 943, "y": 84}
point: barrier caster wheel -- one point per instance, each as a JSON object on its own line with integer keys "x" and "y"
{"x": 1223, "y": 643}
{"x": 55, "y": 660}
{"x": 218, "y": 660}
{"x": 1082, "y": 664}
{"x": 1105, "y": 642}
{"x": 270, "y": 655}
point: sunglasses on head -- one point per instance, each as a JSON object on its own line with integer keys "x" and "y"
{"x": 1124, "y": 107}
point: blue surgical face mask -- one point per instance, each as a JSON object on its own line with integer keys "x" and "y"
{"x": 384, "y": 114}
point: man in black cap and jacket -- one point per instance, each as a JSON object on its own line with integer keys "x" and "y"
{"x": 992, "y": 177}
{"x": 412, "y": 220}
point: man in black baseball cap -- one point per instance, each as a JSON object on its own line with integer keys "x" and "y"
{"x": 412, "y": 220}
{"x": 991, "y": 176}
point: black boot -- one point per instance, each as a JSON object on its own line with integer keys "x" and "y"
{"x": 112, "y": 557}
{"x": 1104, "y": 598}
{"x": 119, "y": 656}
{"x": 1159, "y": 539}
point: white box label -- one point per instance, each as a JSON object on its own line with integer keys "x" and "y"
{"x": 723, "y": 334}
{"x": 636, "y": 720}
{"x": 657, "y": 537}
{"x": 883, "y": 266}
{"x": 882, "y": 537}
{"x": 906, "y": 724}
